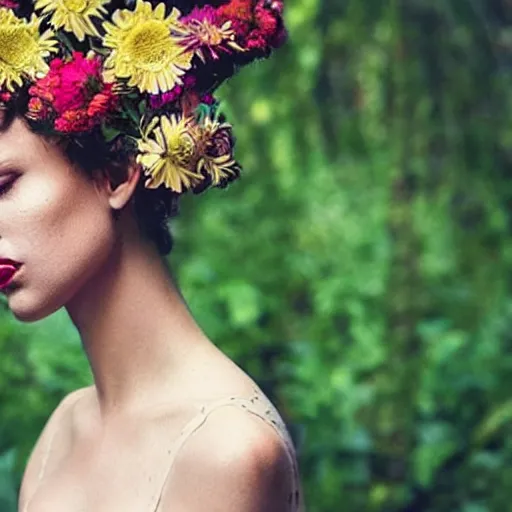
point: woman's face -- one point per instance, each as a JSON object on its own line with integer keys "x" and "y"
{"x": 52, "y": 220}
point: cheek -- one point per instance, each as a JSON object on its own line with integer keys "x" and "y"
{"x": 80, "y": 238}
{"x": 67, "y": 235}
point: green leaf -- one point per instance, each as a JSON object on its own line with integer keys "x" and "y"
{"x": 499, "y": 417}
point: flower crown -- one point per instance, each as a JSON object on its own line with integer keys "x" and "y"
{"x": 137, "y": 71}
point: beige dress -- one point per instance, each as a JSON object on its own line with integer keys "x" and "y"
{"x": 256, "y": 404}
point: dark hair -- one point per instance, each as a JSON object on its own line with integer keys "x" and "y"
{"x": 153, "y": 207}
{"x": 95, "y": 157}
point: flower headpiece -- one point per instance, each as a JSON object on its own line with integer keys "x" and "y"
{"x": 139, "y": 71}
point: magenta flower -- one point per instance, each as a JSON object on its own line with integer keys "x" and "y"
{"x": 9, "y": 4}
{"x": 206, "y": 35}
{"x": 159, "y": 100}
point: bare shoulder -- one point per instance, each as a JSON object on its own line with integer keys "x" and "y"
{"x": 242, "y": 465}
{"x": 59, "y": 423}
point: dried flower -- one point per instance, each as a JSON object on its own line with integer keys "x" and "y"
{"x": 206, "y": 35}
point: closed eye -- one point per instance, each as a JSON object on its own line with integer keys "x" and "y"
{"x": 5, "y": 187}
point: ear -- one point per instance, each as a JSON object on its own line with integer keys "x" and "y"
{"x": 122, "y": 192}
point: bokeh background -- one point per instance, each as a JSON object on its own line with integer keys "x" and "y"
{"x": 360, "y": 270}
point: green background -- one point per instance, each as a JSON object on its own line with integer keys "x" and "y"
{"x": 360, "y": 269}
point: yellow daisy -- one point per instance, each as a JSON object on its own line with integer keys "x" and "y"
{"x": 22, "y": 49}
{"x": 217, "y": 159}
{"x": 144, "y": 50}
{"x": 74, "y": 16}
{"x": 168, "y": 151}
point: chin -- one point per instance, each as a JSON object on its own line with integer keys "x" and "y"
{"x": 29, "y": 316}
{"x": 27, "y": 311}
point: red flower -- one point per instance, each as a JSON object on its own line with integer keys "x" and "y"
{"x": 237, "y": 9}
{"x": 74, "y": 121}
{"x": 75, "y": 93}
{"x": 257, "y": 24}
{"x": 102, "y": 103}
{"x": 269, "y": 22}
{"x": 37, "y": 109}
{"x": 5, "y": 97}
{"x": 44, "y": 87}
{"x": 239, "y": 12}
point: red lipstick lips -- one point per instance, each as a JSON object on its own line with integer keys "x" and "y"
{"x": 8, "y": 269}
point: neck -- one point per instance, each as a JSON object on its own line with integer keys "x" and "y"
{"x": 136, "y": 329}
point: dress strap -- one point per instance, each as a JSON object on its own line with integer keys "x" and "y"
{"x": 251, "y": 405}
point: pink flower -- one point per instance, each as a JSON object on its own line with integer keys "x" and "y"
{"x": 5, "y": 97}
{"x": 74, "y": 92}
{"x": 77, "y": 78}
{"x": 209, "y": 99}
{"x": 207, "y": 34}
{"x": 159, "y": 100}
{"x": 206, "y": 13}
{"x": 9, "y": 4}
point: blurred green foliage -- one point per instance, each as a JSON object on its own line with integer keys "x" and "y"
{"x": 360, "y": 270}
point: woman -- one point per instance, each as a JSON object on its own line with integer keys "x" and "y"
{"x": 107, "y": 118}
